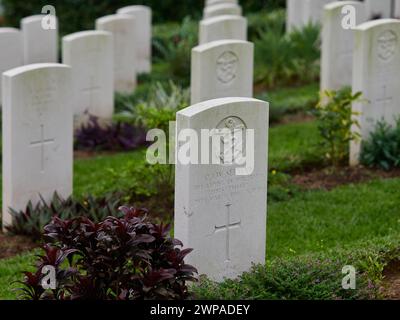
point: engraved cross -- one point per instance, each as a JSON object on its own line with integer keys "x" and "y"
{"x": 385, "y": 99}
{"x": 41, "y": 144}
{"x": 90, "y": 91}
{"x": 226, "y": 228}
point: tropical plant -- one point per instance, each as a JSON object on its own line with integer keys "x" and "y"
{"x": 94, "y": 136}
{"x": 176, "y": 51}
{"x": 125, "y": 258}
{"x": 335, "y": 118}
{"x": 158, "y": 109}
{"x": 32, "y": 220}
{"x": 382, "y": 149}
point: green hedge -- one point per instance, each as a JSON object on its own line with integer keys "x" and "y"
{"x": 77, "y": 15}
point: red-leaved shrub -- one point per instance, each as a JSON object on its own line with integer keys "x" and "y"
{"x": 124, "y": 258}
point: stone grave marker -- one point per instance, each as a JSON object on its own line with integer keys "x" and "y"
{"x": 222, "y": 9}
{"x": 312, "y": 11}
{"x": 122, "y": 27}
{"x": 223, "y": 28}
{"x": 396, "y": 9}
{"x": 40, "y": 45}
{"x": 376, "y": 69}
{"x": 11, "y": 55}
{"x": 337, "y": 45}
{"x": 221, "y": 69}
{"x": 143, "y": 30}
{"x": 91, "y": 56}
{"x": 213, "y": 2}
{"x": 378, "y": 9}
{"x": 294, "y": 15}
{"x": 220, "y": 214}
{"x": 37, "y": 135}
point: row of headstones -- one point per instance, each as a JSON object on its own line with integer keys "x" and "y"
{"x": 223, "y": 63}
{"x": 103, "y": 60}
{"x": 302, "y": 12}
{"x": 40, "y": 99}
{"x": 366, "y": 58}
{"x": 220, "y": 214}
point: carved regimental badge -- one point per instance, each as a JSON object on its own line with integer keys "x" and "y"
{"x": 387, "y": 45}
{"x": 227, "y": 65}
{"x": 236, "y": 133}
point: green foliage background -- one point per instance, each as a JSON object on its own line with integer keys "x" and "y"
{"x": 84, "y": 13}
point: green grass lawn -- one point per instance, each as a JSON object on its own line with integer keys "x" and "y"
{"x": 11, "y": 271}
{"x": 293, "y": 145}
{"x": 316, "y": 220}
{"x": 92, "y": 175}
{"x": 290, "y": 100}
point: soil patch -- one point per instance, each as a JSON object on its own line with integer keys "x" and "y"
{"x": 13, "y": 245}
{"x": 329, "y": 178}
{"x": 390, "y": 287}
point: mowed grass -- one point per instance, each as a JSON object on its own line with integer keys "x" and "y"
{"x": 95, "y": 175}
{"x": 11, "y": 270}
{"x": 293, "y": 145}
{"x": 315, "y": 221}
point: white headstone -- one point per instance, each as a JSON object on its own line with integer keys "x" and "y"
{"x": 143, "y": 16}
{"x": 219, "y": 214}
{"x": 223, "y": 28}
{"x": 397, "y": 9}
{"x": 222, "y": 69}
{"x": 213, "y": 2}
{"x": 378, "y": 9}
{"x": 91, "y": 56}
{"x": 11, "y": 50}
{"x": 312, "y": 11}
{"x": 337, "y": 45}
{"x": 123, "y": 29}
{"x": 40, "y": 44}
{"x": 376, "y": 70}
{"x": 294, "y": 15}
{"x": 222, "y": 9}
{"x": 37, "y": 135}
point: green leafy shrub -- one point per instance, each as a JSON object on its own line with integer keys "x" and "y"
{"x": 265, "y": 19}
{"x": 94, "y": 136}
{"x": 175, "y": 50}
{"x": 158, "y": 109}
{"x": 125, "y": 258}
{"x": 335, "y": 119}
{"x": 299, "y": 278}
{"x": 31, "y": 221}
{"x": 287, "y": 59}
{"x": 382, "y": 149}
{"x": 146, "y": 184}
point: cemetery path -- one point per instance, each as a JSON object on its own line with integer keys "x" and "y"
{"x": 328, "y": 178}
{"x": 14, "y": 245}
